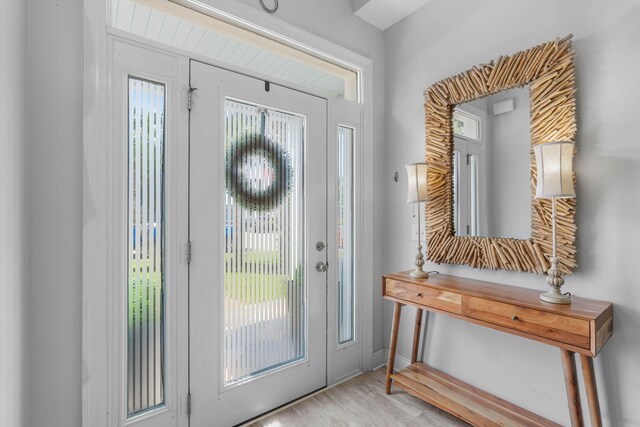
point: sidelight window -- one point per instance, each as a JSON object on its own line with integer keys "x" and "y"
{"x": 345, "y": 231}
{"x": 145, "y": 236}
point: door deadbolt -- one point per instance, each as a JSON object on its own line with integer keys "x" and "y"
{"x": 322, "y": 266}
{"x": 320, "y": 246}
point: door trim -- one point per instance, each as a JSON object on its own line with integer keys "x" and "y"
{"x": 345, "y": 360}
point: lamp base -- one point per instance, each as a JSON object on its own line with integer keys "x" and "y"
{"x": 419, "y": 273}
{"x": 555, "y": 297}
{"x": 555, "y": 282}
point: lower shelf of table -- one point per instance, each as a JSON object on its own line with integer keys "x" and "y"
{"x": 465, "y": 401}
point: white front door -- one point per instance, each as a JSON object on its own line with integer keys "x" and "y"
{"x": 257, "y": 209}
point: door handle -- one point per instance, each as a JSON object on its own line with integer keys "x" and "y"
{"x": 322, "y": 266}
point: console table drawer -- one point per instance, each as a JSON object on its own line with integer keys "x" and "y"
{"x": 422, "y": 295}
{"x": 554, "y": 326}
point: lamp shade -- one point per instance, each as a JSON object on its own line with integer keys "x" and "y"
{"x": 554, "y": 162}
{"x": 417, "y": 182}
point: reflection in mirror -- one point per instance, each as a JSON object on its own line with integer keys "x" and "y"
{"x": 491, "y": 166}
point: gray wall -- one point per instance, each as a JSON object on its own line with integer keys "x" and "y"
{"x": 438, "y": 41}
{"x": 55, "y": 187}
{"x": 55, "y": 212}
{"x": 12, "y": 213}
{"x": 508, "y": 177}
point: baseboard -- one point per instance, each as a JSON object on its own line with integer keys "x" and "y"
{"x": 380, "y": 359}
{"x": 401, "y": 363}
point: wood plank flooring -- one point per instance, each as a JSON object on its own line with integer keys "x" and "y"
{"x": 360, "y": 402}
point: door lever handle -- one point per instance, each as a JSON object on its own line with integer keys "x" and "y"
{"x": 322, "y": 266}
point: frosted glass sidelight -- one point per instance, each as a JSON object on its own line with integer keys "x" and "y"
{"x": 474, "y": 190}
{"x": 145, "y": 240}
{"x": 264, "y": 279}
{"x": 457, "y": 223}
{"x": 346, "y": 285}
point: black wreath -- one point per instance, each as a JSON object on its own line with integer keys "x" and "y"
{"x": 238, "y": 185}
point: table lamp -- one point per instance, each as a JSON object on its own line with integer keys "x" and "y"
{"x": 417, "y": 193}
{"x": 554, "y": 162}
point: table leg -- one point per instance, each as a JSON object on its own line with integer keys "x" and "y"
{"x": 589, "y": 376}
{"x": 392, "y": 345}
{"x": 571, "y": 382}
{"x": 416, "y": 335}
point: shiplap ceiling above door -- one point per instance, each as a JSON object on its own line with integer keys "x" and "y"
{"x": 384, "y": 13}
{"x": 186, "y": 29}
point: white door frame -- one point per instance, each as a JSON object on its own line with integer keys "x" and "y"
{"x": 346, "y": 360}
{"x": 132, "y": 60}
{"x": 101, "y": 163}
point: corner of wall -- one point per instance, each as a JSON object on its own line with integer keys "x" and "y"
{"x": 13, "y": 257}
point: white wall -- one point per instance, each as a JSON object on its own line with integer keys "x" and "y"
{"x": 438, "y": 41}
{"x": 55, "y": 187}
{"x": 12, "y": 214}
{"x": 54, "y": 211}
{"x": 508, "y": 176}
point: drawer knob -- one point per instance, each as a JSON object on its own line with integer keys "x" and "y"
{"x": 514, "y": 317}
{"x": 419, "y": 294}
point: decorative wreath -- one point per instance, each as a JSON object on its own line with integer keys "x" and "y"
{"x": 238, "y": 185}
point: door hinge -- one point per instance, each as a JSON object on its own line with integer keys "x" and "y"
{"x": 189, "y": 96}
{"x": 189, "y": 252}
{"x": 468, "y": 229}
{"x": 468, "y": 155}
{"x": 188, "y": 404}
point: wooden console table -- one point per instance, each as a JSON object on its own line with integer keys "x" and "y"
{"x": 582, "y": 327}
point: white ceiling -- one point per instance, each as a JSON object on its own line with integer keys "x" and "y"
{"x": 385, "y": 13}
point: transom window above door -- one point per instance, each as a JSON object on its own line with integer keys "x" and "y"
{"x": 181, "y": 27}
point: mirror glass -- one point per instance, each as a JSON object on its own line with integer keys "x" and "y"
{"x": 491, "y": 166}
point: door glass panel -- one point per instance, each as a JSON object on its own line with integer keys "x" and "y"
{"x": 145, "y": 237}
{"x": 264, "y": 277}
{"x": 345, "y": 235}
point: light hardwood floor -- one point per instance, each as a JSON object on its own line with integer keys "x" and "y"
{"x": 360, "y": 402}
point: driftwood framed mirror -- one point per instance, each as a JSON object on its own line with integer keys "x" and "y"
{"x": 548, "y": 72}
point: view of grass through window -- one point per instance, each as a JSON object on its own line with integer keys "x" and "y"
{"x": 264, "y": 286}
{"x": 145, "y": 331}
